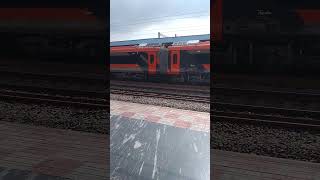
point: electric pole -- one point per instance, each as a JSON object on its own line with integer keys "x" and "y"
{"x": 160, "y": 34}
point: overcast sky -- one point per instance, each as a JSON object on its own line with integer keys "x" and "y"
{"x": 139, "y": 19}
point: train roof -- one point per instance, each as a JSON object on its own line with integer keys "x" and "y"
{"x": 167, "y": 40}
{"x": 121, "y": 49}
{"x": 197, "y": 46}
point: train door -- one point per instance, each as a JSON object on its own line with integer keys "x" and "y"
{"x": 152, "y": 63}
{"x": 163, "y": 60}
{"x": 174, "y": 67}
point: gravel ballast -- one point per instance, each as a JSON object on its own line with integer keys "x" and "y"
{"x": 86, "y": 120}
{"x": 266, "y": 141}
{"x": 187, "y": 105}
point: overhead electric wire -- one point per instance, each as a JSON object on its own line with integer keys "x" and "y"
{"x": 160, "y": 29}
{"x": 162, "y": 20}
{"x": 161, "y": 17}
{"x": 175, "y": 29}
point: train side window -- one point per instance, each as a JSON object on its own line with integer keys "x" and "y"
{"x": 175, "y": 59}
{"x": 151, "y": 59}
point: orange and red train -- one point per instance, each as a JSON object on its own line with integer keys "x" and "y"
{"x": 37, "y": 29}
{"x": 266, "y": 35}
{"x": 186, "y": 62}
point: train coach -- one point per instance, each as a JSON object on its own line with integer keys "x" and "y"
{"x": 52, "y": 29}
{"x": 191, "y": 61}
{"x": 266, "y": 35}
{"x": 180, "y": 61}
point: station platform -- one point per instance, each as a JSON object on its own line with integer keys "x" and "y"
{"x": 240, "y": 166}
{"x": 193, "y": 120}
{"x": 39, "y": 153}
{"x": 139, "y": 149}
{"x": 153, "y": 142}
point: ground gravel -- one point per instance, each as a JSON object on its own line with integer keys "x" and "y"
{"x": 266, "y": 141}
{"x": 87, "y": 120}
{"x": 187, "y": 105}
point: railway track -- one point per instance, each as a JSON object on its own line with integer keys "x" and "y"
{"x": 37, "y": 82}
{"x": 297, "y": 82}
{"x": 161, "y": 86}
{"x": 217, "y": 89}
{"x": 292, "y": 118}
{"x": 288, "y": 93}
{"x": 278, "y": 116}
{"x": 46, "y": 76}
{"x": 58, "y": 91}
{"x": 154, "y": 90}
{"x": 142, "y": 93}
{"x": 159, "y": 80}
{"x": 60, "y": 97}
